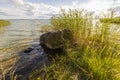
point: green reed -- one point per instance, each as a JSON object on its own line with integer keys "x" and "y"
{"x": 95, "y": 55}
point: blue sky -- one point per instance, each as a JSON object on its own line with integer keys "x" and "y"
{"x": 57, "y": 2}
{"x": 35, "y": 9}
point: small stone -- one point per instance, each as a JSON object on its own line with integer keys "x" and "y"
{"x": 28, "y": 50}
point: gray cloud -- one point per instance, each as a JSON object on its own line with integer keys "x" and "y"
{"x": 5, "y": 14}
{"x": 32, "y": 9}
{"x": 117, "y": 9}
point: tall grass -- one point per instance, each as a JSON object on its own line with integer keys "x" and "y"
{"x": 111, "y": 20}
{"x": 4, "y": 23}
{"x": 95, "y": 55}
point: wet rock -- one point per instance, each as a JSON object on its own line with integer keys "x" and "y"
{"x": 28, "y": 50}
{"x": 55, "y": 39}
{"x": 36, "y": 56}
{"x": 28, "y": 62}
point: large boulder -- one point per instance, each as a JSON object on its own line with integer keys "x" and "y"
{"x": 55, "y": 39}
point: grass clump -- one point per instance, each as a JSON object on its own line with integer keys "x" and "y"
{"x": 4, "y": 23}
{"x": 111, "y": 20}
{"x": 95, "y": 55}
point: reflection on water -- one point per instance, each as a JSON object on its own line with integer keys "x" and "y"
{"x": 19, "y": 34}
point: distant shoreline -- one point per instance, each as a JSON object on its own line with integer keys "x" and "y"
{"x": 4, "y": 23}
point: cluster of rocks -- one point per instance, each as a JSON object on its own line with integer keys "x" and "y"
{"x": 37, "y": 55}
{"x": 29, "y": 60}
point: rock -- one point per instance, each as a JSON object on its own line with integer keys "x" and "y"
{"x": 55, "y": 39}
{"x": 29, "y": 60}
{"x": 28, "y": 50}
{"x": 34, "y": 57}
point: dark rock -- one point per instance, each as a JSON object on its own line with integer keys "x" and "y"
{"x": 52, "y": 40}
{"x": 54, "y": 52}
{"x": 35, "y": 58}
{"x": 28, "y": 61}
{"x": 28, "y": 50}
{"x": 55, "y": 39}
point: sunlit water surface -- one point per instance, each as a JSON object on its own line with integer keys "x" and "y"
{"x": 19, "y": 34}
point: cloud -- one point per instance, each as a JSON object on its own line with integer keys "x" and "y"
{"x": 5, "y": 14}
{"x": 12, "y": 11}
{"x": 96, "y": 5}
{"x": 25, "y": 8}
{"x": 99, "y": 6}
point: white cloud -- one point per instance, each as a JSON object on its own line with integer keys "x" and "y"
{"x": 21, "y": 8}
{"x": 99, "y": 6}
{"x": 26, "y": 9}
{"x": 96, "y": 5}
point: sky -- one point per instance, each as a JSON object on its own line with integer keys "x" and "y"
{"x": 45, "y": 9}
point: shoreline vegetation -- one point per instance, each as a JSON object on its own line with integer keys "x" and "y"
{"x": 111, "y": 20}
{"x": 92, "y": 55}
{"x": 4, "y": 23}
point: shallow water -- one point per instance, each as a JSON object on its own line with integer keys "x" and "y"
{"x": 19, "y": 34}
{"x": 20, "y": 31}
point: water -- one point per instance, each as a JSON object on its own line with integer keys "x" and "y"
{"x": 19, "y": 34}
{"x": 21, "y": 31}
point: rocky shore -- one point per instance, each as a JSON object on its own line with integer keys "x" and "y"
{"x": 37, "y": 55}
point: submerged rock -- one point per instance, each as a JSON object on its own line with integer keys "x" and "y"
{"x": 55, "y": 39}
{"x": 30, "y": 59}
